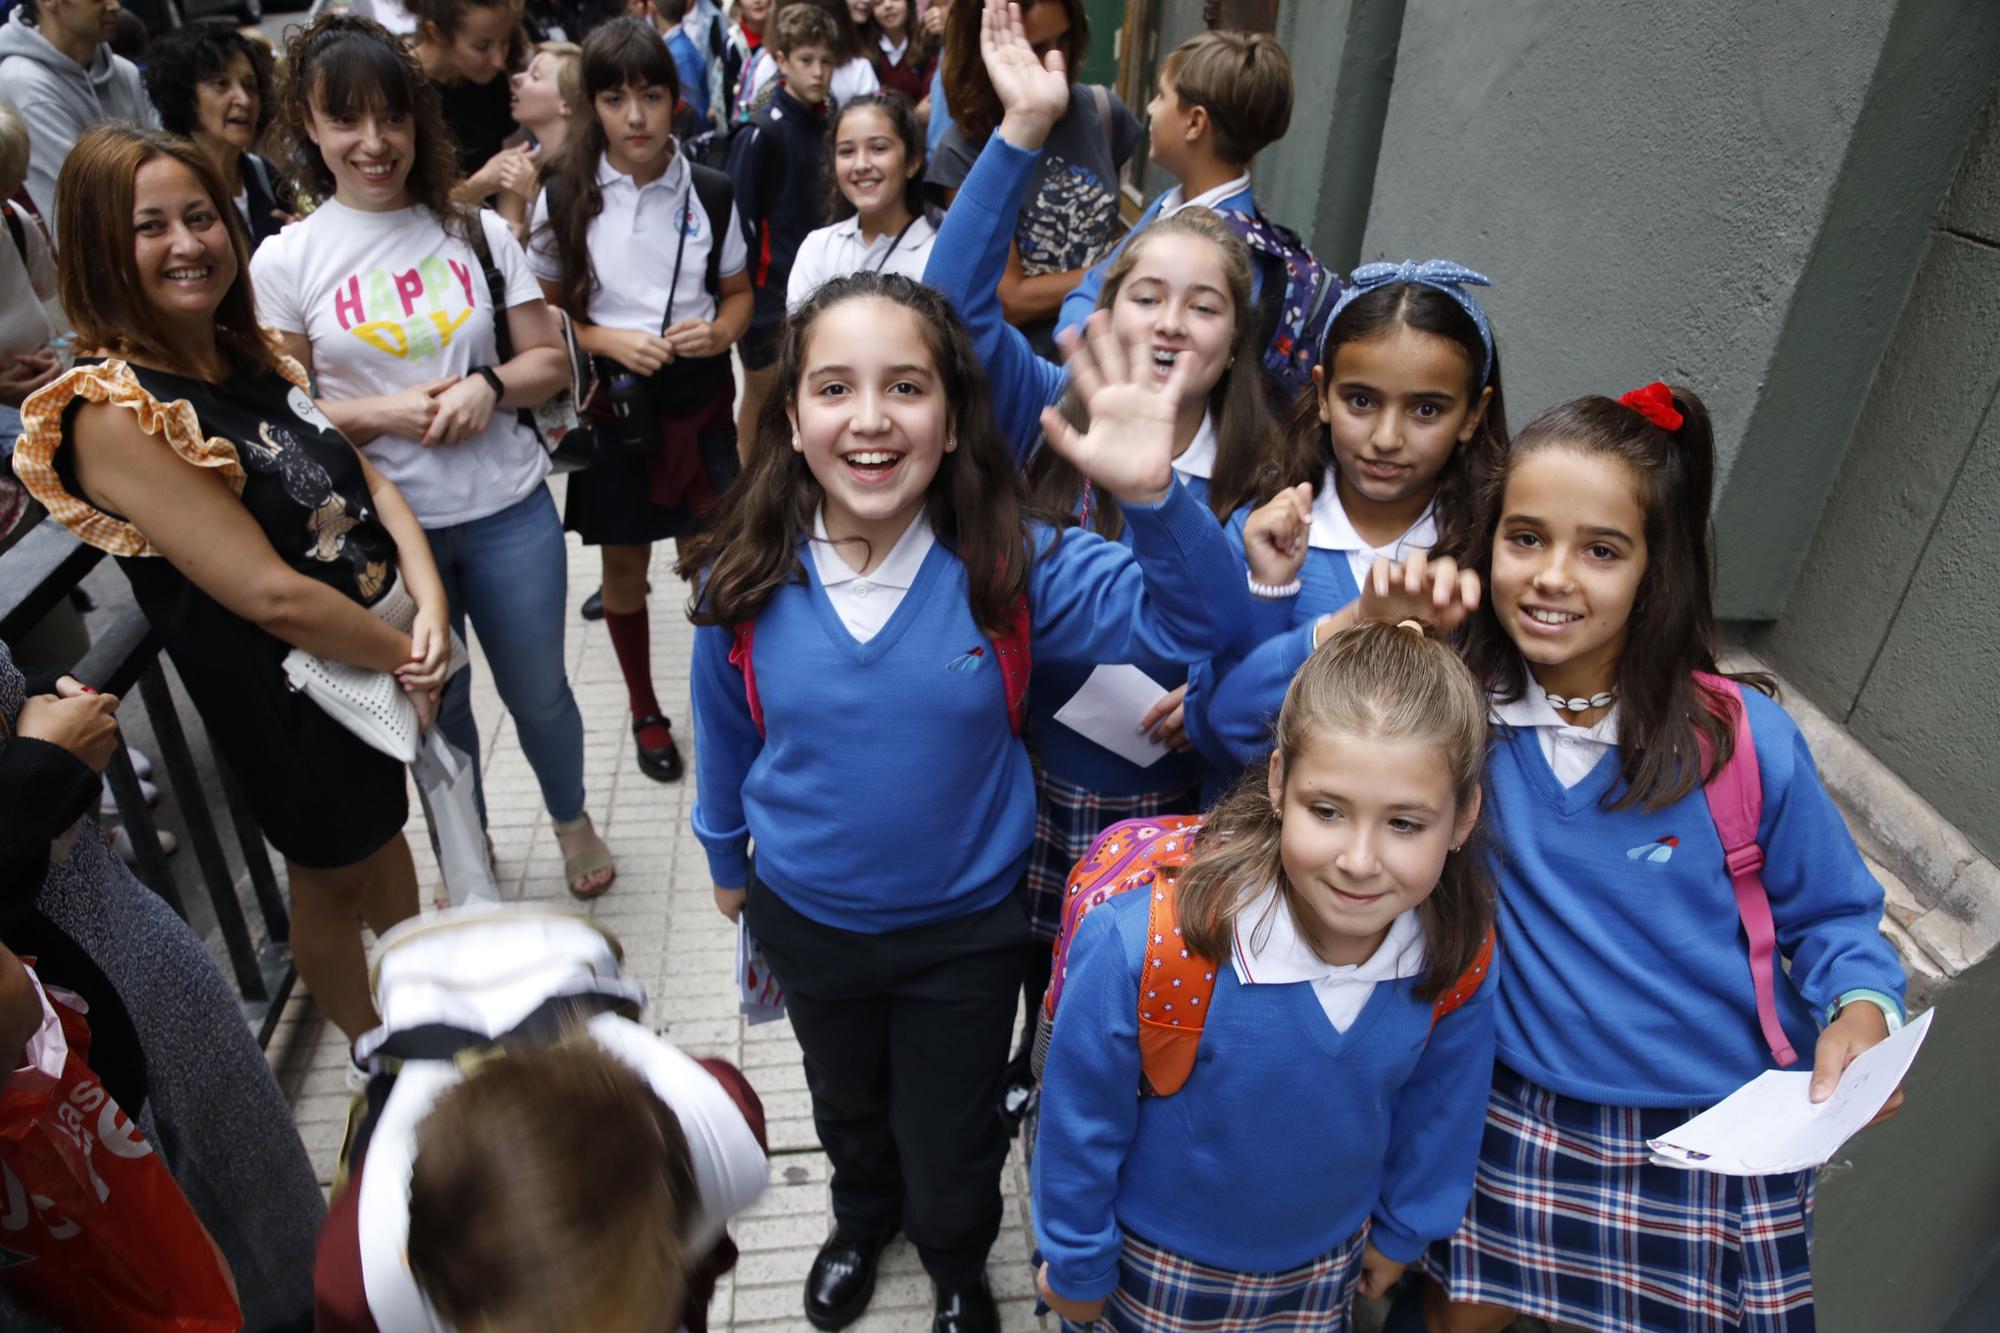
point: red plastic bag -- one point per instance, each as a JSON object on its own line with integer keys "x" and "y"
{"x": 93, "y": 1231}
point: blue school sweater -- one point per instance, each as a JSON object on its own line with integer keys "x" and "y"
{"x": 1233, "y": 701}
{"x": 1628, "y": 980}
{"x": 1288, "y": 1135}
{"x": 1076, "y": 307}
{"x": 888, "y": 791}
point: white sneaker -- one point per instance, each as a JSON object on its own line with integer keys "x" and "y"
{"x": 107, "y": 803}
{"x": 121, "y": 842}
{"x": 140, "y": 763}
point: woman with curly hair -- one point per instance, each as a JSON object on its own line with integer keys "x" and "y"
{"x": 212, "y": 84}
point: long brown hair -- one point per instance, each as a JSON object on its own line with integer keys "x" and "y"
{"x": 975, "y": 504}
{"x": 349, "y": 64}
{"x": 1670, "y": 632}
{"x": 1307, "y": 448}
{"x": 97, "y": 270}
{"x": 1246, "y": 439}
{"x": 551, "y": 1160}
{"x": 1375, "y": 681}
{"x": 626, "y": 52}
{"x": 975, "y": 107}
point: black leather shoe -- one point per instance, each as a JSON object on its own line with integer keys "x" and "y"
{"x": 663, "y": 764}
{"x": 967, "y": 1309}
{"x": 593, "y": 605}
{"x": 841, "y": 1281}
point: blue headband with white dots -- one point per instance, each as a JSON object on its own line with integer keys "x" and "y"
{"x": 1441, "y": 274}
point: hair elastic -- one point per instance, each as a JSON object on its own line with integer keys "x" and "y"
{"x": 1441, "y": 274}
{"x": 1413, "y": 625}
{"x": 1655, "y": 402}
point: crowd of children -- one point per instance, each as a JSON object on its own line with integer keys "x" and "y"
{"x": 1394, "y": 1017}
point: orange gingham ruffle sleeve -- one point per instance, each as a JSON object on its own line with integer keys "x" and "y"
{"x": 113, "y": 382}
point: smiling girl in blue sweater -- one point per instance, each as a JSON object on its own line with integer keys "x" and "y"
{"x": 866, "y": 736}
{"x": 1630, "y": 999}
{"x": 1330, "y": 1125}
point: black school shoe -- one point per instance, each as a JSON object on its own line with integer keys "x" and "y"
{"x": 593, "y": 605}
{"x": 967, "y": 1309}
{"x": 663, "y": 764}
{"x": 841, "y": 1281}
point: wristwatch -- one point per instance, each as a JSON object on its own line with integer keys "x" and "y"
{"x": 492, "y": 377}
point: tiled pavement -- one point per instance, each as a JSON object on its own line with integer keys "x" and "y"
{"x": 683, "y": 950}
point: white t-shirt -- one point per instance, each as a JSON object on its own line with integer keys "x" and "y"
{"x": 835, "y": 251}
{"x": 27, "y": 289}
{"x": 633, "y": 243}
{"x": 850, "y": 81}
{"x": 390, "y": 300}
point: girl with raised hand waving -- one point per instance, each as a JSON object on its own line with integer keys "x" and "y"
{"x": 1335, "y": 1099}
{"x": 868, "y": 600}
{"x": 644, "y": 249}
{"x": 382, "y": 293}
{"x": 1405, "y": 416}
{"x": 1178, "y": 302}
{"x": 1629, "y": 1000}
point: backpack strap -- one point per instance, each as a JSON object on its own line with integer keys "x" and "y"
{"x": 1175, "y": 986}
{"x": 712, "y": 188}
{"x": 18, "y": 230}
{"x": 1017, "y": 660}
{"x": 1736, "y": 803}
{"x": 741, "y": 658}
{"x": 496, "y": 291}
{"x": 1468, "y": 982}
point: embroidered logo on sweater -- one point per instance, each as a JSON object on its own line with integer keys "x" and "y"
{"x": 970, "y": 660}
{"x": 1655, "y": 853}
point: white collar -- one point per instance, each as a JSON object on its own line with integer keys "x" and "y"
{"x": 896, "y": 51}
{"x": 672, "y": 178}
{"x": 1268, "y": 950}
{"x": 1172, "y": 202}
{"x": 1198, "y": 459}
{"x": 898, "y": 570}
{"x": 849, "y": 228}
{"x": 1533, "y": 709}
{"x": 1332, "y": 530}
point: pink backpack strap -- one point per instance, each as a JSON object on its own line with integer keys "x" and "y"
{"x": 740, "y": 658}
{"x": 1017, "y": 660}
{"x": 1736, "y": 803}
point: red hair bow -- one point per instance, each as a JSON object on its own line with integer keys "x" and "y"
{"x": 1655, "y": 402}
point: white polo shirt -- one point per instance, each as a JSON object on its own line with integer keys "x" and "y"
{"x": 1267, "y": 949}
{"x": 1572, "y": 751}
{"x": 865, "y": 602}
{"x": 1171, "y": 202}
{"x": 1198, "y": 459}
{"x": 837, "y": 250}
{"x": 633, "y": 242}
{"x": 1332, "y": 530}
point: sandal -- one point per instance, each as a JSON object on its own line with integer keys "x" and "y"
{"x": 595, "y": 859}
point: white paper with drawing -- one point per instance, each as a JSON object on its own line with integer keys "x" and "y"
{"x": 1770, "y": 1125}
{"x": 1108, "y": 708}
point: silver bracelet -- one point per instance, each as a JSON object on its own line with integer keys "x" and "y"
{"x": 1275, "y": 593}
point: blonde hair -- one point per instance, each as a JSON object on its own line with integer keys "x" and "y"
{"x": 568, "y": 57}
{"x": 15, "y": 148}
{"x": 552, "y": 1189}
{"x": 1374, "y": 681}
{"x": 1243, "y": 80}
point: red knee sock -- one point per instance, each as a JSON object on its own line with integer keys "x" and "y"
{"x": 632, "y": 639}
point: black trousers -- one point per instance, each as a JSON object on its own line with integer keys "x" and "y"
{"x": 905, "y": 1038}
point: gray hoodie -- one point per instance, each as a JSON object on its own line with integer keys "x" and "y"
{"x": 60, "y": 99}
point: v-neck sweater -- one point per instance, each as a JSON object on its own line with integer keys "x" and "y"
{"x": 887, "y": 790}
{"x": 1628, "y": 979}
{"x": 1288, "y": 1135}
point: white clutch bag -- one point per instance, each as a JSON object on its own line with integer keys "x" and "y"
{"x": 371, "y": 704}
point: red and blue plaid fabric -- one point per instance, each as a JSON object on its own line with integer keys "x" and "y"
{"x": 1571, "y": 1221}
{"x": 1161, "y": 1292}
{"x": 1068, "y": 819}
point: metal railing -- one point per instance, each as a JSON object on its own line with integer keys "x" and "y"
{"x": 36, "y": 575}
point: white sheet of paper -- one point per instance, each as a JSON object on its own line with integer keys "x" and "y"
{"x": 759, "y": 997}
{"x": 1770, "y": 1126}
{"x": 1108, "y": 708}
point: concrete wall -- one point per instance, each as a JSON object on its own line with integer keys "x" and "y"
{"x": 1894, "y": 623}
{"x": 1725, "y": 193}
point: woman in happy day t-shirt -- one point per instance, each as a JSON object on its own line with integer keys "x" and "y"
{"x": 382, "y": 294}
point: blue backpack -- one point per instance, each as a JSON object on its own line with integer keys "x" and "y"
{"x": 1296, "y": 295}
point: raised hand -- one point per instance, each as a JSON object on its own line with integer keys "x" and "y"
{"x": 1129, "y": 447}
{"x": 1033, "y": 92}
{"x": 1274, "y": 536}
{"x": 1435, "y": 591}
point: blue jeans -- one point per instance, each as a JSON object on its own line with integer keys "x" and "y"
{"x": 509, "y": 572}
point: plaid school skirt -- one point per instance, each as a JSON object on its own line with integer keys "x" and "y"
{"x": 1068, "y": 819}
{"x": 1161, "y": 1292}
{"x": 1571, "y": 1221}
